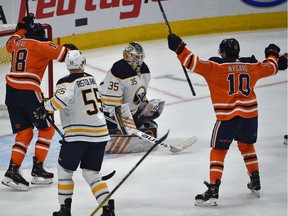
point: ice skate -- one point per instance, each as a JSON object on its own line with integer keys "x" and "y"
{"x": 109, "y": 209}
{"x": 39, "y": 175}
{"x": 209, "y": 197}
{"x": 254, "y": 184}
{"x": 65, "y": 210}
{"x": 285, "y": 141}
{"x": 14, "y": 179}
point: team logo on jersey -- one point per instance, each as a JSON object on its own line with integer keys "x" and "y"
{"x": 139, "y": 95}
{"x": 264, "y": 3}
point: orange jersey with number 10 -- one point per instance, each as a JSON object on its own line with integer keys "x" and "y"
{"x": 231, "y": 82}
{"x": 30, "y": 57}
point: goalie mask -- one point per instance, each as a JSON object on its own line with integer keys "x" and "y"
{"x": 75, "y": 60}
{"x": 230, "y": 47}
{"x": 134, "y": 55}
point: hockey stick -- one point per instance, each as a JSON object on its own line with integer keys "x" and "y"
{"x": 48, "y": 117}
{"x": 27, "y": 7}
{"x": 170, "y": 32}
{"x": 129, "y": 173}
{"x": 175, "y": 148}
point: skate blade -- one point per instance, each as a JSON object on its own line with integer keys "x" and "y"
{"x": 210, "y": 202}
{"x": 41, "y": 181}
{"x": 9, "y": 183}
{"x": 255, "y": 193}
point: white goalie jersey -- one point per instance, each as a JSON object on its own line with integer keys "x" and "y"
{"x": 122, "y": 85}
{"x": 78, "y": 99}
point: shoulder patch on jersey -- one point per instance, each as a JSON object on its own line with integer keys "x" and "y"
{"x": 216, "y": 59}
{"x": 35, "y": 37}
{"x": 251, "y": 59}
{"x": 122, "y": 70}
{"x": 144, "y": 69}
{"x": 72, "y": 77}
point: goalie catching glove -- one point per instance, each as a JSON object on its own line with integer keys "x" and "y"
{"x": 152, "y": 109}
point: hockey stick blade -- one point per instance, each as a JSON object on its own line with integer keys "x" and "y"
{"x": 108, "y": 176}
{"x": 183, "y": 145}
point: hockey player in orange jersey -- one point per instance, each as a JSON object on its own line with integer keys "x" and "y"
{"x": 231, "y": 80}
{"x": 31, "y": 52}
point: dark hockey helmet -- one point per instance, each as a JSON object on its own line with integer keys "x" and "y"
{"x": 230, "y": 47}
{"x": 134, "y": 55}
{"x": 36, "y": 29}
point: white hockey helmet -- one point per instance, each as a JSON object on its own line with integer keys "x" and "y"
{"x": 75, "y": 60}
{"x": 134, "y": 55}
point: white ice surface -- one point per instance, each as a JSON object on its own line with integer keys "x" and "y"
{"x": 165, "y": 184}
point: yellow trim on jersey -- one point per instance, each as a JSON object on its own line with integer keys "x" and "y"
{"x": 56, "y": 104}
{"x": 109, "y": 100}
{"x": 84, "y": 130}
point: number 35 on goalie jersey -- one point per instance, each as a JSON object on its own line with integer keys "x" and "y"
{"x": 81, "y": 113}
{"x": 122, "y": 85}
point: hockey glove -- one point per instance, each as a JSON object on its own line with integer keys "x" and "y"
{"x": 153, "y": 109}
{"x": 70, "y": 46}
{"x": 282, "y": 62}
{"x": 175, "y": 43}
{"x": 40, "y": 112}
{"x": 25, "y": 22}
{"x": 272, "y": 49}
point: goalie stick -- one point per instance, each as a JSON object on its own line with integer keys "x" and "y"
{"x": 129, "y": 173}
{"x": 48, "y": 117}
{"x": 170, "y": 32}
{"x": 172, "y": 148}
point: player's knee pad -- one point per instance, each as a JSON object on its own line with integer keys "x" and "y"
{"x": 25, "y": 136}
{"x": 46, "y": 133}
{"x": 218, "y": 154}
{"x": 91, "y": 176}
{"x": 64, "y": 173}
{"x": 245, "y": 148}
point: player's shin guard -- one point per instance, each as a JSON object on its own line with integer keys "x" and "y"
{"x": 100, "y": 190}
{"x": 217, "y": 157}
{"x": 42, "y": 145}
{"x": 65, "y": 184}
{"x": 22, "y": 142}
{"x": 249, "y": 156}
